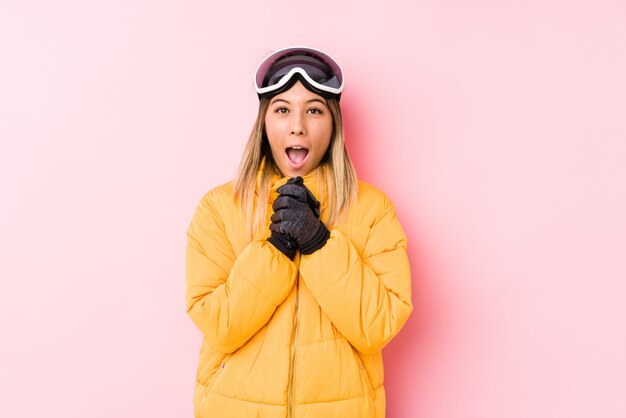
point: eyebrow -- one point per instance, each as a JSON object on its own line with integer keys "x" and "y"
{"x": 308, "y": 101}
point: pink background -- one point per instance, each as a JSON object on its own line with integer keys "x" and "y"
{"x": 498, "y": 128}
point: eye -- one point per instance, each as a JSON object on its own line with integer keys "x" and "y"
{"x": 315, "y": 111}
{"x": 281, "y": 109}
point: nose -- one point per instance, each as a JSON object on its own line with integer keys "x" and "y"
{"x": 297, "y": 125}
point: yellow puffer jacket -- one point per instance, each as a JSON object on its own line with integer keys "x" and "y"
{"x": 298, "y": 338}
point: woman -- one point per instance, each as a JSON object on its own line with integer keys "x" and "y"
{"x": 297, "y": 273}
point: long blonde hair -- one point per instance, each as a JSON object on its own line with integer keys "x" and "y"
{"x": 337, "y": 178}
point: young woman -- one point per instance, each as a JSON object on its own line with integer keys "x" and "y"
{"x": 297, "y": 273}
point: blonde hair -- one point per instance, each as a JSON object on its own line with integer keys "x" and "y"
{"x": 337, "y": 177}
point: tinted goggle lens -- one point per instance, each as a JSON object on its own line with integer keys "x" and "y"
{"x": 318, "y": 75}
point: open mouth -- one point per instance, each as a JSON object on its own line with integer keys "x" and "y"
{"x": 297, "y": 155}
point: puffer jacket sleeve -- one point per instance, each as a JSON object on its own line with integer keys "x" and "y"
{"x": 367, "y": 297}
{"x": 230, "y": 298}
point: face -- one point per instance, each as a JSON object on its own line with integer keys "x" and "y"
{"x": 299, "y": 125}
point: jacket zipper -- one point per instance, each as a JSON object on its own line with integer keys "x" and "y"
{"x": 293, "y": 351}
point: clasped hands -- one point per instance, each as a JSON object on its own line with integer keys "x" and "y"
{"x": 295, "y": 222}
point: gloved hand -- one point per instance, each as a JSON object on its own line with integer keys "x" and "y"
{"x": 296, "y": 215}
{"x": 295, "y": 188}
{"x": 282, "y": 241}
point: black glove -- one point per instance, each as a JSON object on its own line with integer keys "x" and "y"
{"x": 282, "y": 241}
{"x": 296, "y": 215}
{"x": 295, "y": 188}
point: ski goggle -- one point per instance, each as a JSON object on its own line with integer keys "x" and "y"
{"x": 316, "y": 70}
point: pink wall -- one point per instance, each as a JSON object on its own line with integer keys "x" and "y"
{"x": 498, "y": 129}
